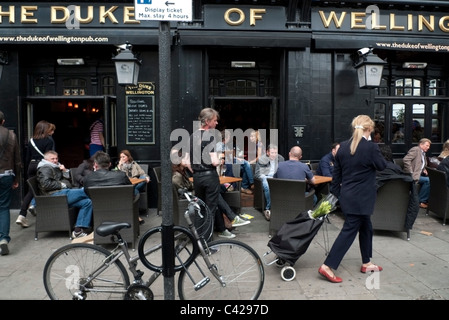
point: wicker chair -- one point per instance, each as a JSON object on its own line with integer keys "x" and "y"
{"x": 439, "y": 194}
{"x": 390, "y": 209}
{"x": 53, "y": 212}
{"x": 179, "y": 208}
{"x": 234, "y": 198}
{"x": 259, "y": 198}
{"x": 288, "y": 199}
{"x": 115, "y": 203}
{"x": 143, "y": 201}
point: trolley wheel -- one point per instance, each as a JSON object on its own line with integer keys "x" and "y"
{"x": 288, "y": 273}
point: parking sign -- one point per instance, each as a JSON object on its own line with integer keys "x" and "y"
{"x": 163, "y": 10}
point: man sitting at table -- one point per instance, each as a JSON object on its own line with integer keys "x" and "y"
{"x": 53, "y": 179}
{"x": 102, "y": 176}
{"x": 294, "y": 169}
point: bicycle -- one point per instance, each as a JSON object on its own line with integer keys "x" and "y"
{"x": 228, "y": 269}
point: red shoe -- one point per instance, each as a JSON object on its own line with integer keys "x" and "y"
{"x": 370, "y": 268}
{"x": 423, "y": 205}
{"x": 334, "y": 279}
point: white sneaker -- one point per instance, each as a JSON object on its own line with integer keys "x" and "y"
{"x": 267, "y": 214}
{"x": 226, "y": 234}
{"x": 22, "y": 221}
{"x": 237, "y": 222}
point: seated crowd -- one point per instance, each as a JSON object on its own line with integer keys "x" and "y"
{"x": 54, "y": 179}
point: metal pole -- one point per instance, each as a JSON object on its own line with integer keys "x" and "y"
{"x": 168, "y": 257}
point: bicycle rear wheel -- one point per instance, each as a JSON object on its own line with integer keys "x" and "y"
{"x": 68, "y": 270}
{"x": 239, "y": 266}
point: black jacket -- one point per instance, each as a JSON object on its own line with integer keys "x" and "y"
{"x": 103, "y": 177}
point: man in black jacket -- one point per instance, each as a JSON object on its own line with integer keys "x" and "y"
{"x": 102, "y": 176}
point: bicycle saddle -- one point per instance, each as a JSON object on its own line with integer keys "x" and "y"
{"x": 108, "y": 228}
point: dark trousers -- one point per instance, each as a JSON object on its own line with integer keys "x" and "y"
{"x": 32, "y": 169}
{"x": 207, "y": 188}
{"x": 354, "y": 224}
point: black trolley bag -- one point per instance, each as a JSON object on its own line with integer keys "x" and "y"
{"x": 294, "y": 237}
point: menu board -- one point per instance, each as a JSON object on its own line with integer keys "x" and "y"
{"x": 140, "y": 119}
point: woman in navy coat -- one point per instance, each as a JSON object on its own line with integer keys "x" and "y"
{"x": 354, "y": 183}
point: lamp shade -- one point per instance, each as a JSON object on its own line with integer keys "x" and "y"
{"x": 127, "y": 67}
{"x": 369, "y": 71}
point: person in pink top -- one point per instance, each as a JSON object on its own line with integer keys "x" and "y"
{"x": 96, "y": 136}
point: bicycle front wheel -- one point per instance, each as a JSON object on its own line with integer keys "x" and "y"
{"x": 238, "y": 266}
{"x": 83, "y": 271}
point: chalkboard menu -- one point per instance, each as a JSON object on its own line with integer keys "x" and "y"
{"x": 140, "y": 119}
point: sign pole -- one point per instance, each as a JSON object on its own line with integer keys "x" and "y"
{"x": 168, "y": 256}
{"x": 164, "y": 11}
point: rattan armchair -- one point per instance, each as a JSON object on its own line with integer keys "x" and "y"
{"x": 390, "y": 209}
{"x": 288, "y": 199}
{"x": 116, "y": 204}
{"x": 52, "y": 212}
{"x": 234, "y": 198}
{"x": 439, "y": 194}
{"x": 143, "y": 201}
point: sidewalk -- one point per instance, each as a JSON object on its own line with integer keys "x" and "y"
{"x": 413, "y": 270}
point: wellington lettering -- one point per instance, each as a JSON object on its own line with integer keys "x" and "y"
{"x": 371, "y": 20}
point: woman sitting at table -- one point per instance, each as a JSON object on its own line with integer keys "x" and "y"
{"x": 132, "y": 170}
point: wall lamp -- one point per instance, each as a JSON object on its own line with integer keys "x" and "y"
{"x": 126, "y": 65}
{"x": 369, "y": 68}
{"x": 3, "y": 61}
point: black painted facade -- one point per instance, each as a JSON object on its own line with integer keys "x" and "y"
{"x": 303, "y": 79}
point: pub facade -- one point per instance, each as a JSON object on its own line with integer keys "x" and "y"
{"x": 263, "y": 64}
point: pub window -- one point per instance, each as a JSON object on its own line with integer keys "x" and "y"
{"x": 213, "y": 87}
{"x": 408, "y": 87}
{"x": 418, "y": 110}
{"x": 437, "y": 87}
{"x": 383, "y": 87}
{"x": 397, "y": 127}
{"x": 437, "y": 116}
{"x": 74, "y": 87}
{"x": 108, "y": 85}
{"x": 241, "y": 87}
{"x": 40, "y": 89}
{"x": 379, "y": 120}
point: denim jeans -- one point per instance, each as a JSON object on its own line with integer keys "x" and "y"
{"x": 78, "y": 198}
{"x": 140, "y": 187}
{"x": 266, "y": 191}
{"x": 5, "y": 201}
{"x": 424, "y": 192}
{"x": 246, "y": 173}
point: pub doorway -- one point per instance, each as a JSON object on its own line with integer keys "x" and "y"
{"x": 72, "y": 117}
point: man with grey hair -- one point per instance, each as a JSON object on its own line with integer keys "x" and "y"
{"x": 266, "y": 167}
{"x": 10, "y": 170}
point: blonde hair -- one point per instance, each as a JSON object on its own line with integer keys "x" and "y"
{"x": 359, "y": 125}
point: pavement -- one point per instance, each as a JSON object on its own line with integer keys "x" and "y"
{"x": 417, "y": 269}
